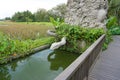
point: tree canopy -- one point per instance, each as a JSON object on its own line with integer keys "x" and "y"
{"x": 41, "y": 15}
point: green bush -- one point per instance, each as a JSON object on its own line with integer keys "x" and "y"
{"x": 115, "y": 31}
{"x": 11, "y": 48}
{"x": 78, "y": 38}
{"x": 108, "y": 39}
{"x": 112, "y": 26}
{"x": 7, "y": 45}
{"x": 56, "y": 23}
{"x": 112, "y": 22}
{"x": 25, "y": 46}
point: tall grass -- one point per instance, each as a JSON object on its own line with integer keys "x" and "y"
{"x": 25, "y": 31}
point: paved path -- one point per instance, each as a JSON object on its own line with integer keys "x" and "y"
{"x": 107, "y": 66}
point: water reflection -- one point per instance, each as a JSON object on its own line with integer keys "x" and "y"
{"x": 60, "y": 59}
{"x": 4, "y": 73}
{"x": 5, "y": 70}
{"x": 37, "y": 66}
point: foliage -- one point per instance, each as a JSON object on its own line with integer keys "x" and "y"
{"x": 25, "y": 16}
{"x": 17, "y": 41}
{"x": 114, "y": 9}
{"x": 41, "y": 15}
{"x": 112, "y": 22}
{"x": 7, "y": 45}
{"x": 112, "y": 26}
{"x": 59, "y": 11}
{"x": 115, "y": 31}
{"x": 76, "y": 35}
{"x": 108, "y": 39}
{"x": 25, "y": 46}
{"x": 56, "y": 23}
{"x": 13, "y": 48}
{"x": 7, "y": 18}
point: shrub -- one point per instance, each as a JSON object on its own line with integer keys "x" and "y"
{"x": 108, "y": 39}
{"x": 115, "y": 31}
{"x": 12, "y": 48}
{"x": 7, "y": 45}
{"x": 112, "y": 22}
{"x": 78, "y": 38}
{"x": 112, "y": 25}
{"x": 25, "y": 46}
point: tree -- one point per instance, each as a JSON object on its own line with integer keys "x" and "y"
{"x": 17, "y": 17}
{"x": 59, "y": 11}
{"x": 52, "y": 14}
{"x": 7, "y": 18}
{"x": 41, "y": 15}
{"x": 25, "y": 16}
{"x": 28, "y": 16}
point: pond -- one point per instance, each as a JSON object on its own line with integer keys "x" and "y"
{"x": 44, "y": 65}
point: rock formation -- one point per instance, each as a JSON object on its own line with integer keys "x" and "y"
{"x": 86, "y": 13}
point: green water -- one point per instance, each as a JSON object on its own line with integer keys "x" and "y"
{"x": 44, "y": 65}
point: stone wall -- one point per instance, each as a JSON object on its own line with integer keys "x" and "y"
{"x": 86, "y": 13}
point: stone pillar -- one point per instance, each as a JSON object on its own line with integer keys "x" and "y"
{"x": 86, "y": 13}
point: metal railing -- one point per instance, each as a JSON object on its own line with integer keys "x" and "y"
{"x": 79, "y": 69}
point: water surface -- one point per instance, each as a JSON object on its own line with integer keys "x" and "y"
{"x": 44, "y": 65}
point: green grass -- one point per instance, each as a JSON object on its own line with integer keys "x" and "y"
{"x": 37, "y": 23}
{"x": 2, "y": 23}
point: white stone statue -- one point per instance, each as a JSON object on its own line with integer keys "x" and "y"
{"x": 56, "y": 45}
